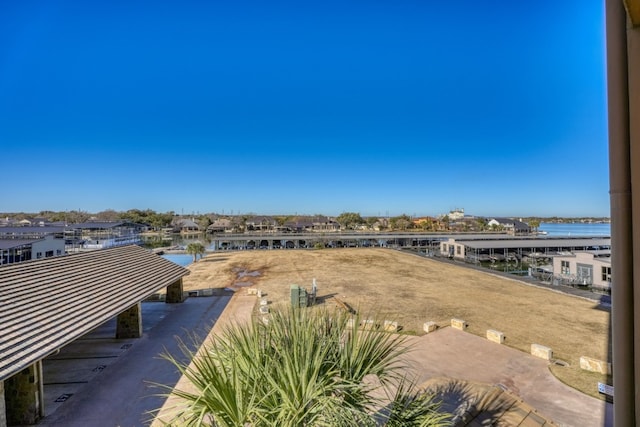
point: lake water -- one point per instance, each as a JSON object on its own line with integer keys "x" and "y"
{"x": 180, "y": 259}
{"x": 576, "y": 229}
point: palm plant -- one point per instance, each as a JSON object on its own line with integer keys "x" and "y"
{"x": 195, "y": 249}
{"x": 304, "y": 367}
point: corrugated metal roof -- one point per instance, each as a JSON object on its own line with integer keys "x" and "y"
{"x": 535, "y": 243}
{"x": 45, "y": 304}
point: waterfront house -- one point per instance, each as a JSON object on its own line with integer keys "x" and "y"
{"x": 510, "y": 225}
{"x": 322, "y": 223}
{"x": 185, "y": 226}
{"x": 261, "y": 223}
{"x": 220, "y": 225}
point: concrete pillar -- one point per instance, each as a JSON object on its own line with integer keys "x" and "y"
{"x": 175, "y": 292}
{"x": 23, "y": 394}
{"x": 3, "y": 407}
{"x": 129, "y": 323}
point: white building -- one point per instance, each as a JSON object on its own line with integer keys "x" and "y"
{"x": 19, "y": 250}
{"x": 584, "y": 268}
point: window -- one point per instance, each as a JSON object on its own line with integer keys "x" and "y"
{"x": 458, "y": 251}
{"x": 49, "y": 253}
{"x": 606, "y": 274}
{"x": 39, "y": 255}
{"x": 564, "y": 267}
{"x": 444, "y": 247}
{"x": 58, "y": 252}
{"x": 585, "y": 274}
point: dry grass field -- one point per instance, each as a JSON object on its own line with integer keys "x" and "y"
{"x": 412, "y": 290}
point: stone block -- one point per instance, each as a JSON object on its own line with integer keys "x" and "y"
{"x": 495, "y": 336}
{"x": 264, "y": 309}
{"x": 390, "y": 326}
{"x": 541, "y": 351}
{"x": 259, "y": 293}
{"x": 595, "y": 365}
{"x": 252, "y": 291}
{"x": 367, "y": 324}
{"x": 264, "y": 301}
{"x": 350, "y": 323}
{"x": 429, "y": 326}
{"x": 459, "y": 324}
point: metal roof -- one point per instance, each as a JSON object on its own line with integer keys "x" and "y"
{"x": 536, "y": 243}
{"x": 14, "y": 243}
{"x": 45, "y": 229}
{"x": 46, "y": 304}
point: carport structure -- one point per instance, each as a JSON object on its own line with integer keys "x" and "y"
{"x": 46, "y": 304}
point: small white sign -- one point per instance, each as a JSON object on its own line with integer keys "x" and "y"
{"x": 605, "y": 389}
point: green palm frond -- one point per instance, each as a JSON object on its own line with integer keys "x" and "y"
{"x": 305, "y": 367}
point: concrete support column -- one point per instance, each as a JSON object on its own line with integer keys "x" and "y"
{"x": 3, "y": 407}
{"x": 175, "y": 292}
{"x": 129, "y": 323}
{"x": 23, "y": 394}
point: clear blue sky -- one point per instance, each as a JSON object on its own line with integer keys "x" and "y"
{"x": 275, "y": 107}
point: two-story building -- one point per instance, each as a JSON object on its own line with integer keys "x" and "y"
{"x": 583, "y": 268}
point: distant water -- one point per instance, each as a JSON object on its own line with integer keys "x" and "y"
{"x": 180, "y": 259}
{"x": 575, "y": 229}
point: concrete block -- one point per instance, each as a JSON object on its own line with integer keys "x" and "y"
{"x": 541, "y": 351}
{"x": 206, "y": 292}
{"x": 350, "y": 323}
{"x": 429, "y": 326}
{"x": 259, "y": 293}
{"x": 459, "y": 324}
{"x": 390, "y": 326}
{"x": 367, "y": 324}
{"x": 264, "y": 309}
{"x": 595, "y": 365}
{"x": 495, "y": 336}
{"x": 252, "y": 291}
{"x": 264, "y": 301}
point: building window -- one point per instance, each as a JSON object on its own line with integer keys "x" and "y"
{"x": 39, "y": 255}
{"x": 564, "y": 267}
{"x": 58, "y": 252}
{"x": 606, "y": 274}
{"x": 444, "y": 247}
{"x": 49, "y": 253}
{"x": 458, "y": 251}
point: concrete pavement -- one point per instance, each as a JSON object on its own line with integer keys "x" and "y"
{"x": 455, "y": 354}
{"x": 102, "y": 382}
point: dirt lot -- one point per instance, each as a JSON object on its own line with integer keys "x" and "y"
{"x": 412, "y": 290}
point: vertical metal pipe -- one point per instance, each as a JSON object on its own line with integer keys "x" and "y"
{"x": 622, "y": 314}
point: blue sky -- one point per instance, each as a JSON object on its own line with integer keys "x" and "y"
{"x": 275, "y": 107}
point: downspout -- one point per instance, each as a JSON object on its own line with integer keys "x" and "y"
{"x": 622, "y": 313}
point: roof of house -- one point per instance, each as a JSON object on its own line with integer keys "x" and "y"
{"x": 186, "y": 223}
{"x": 46, "y": 304}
